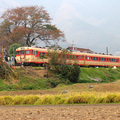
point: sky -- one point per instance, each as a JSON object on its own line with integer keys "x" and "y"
{"x": 92, "y": 24}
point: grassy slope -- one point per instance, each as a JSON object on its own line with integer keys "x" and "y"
{"x": 33, "y": 79}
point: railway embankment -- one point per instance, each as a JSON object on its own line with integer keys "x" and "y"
{"x": 34, "y": 78}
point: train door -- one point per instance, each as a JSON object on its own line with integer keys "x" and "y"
{"x": 22, "y": 56}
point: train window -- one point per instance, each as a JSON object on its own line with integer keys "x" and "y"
{"x": 86, "y": 57}
{"x": 43, "y": 54}
{"x": 112, "y": 59}
{"x": 40, "y": 54}
{"x": 66, "y": 56}
{"x": 97, "y": 58}
{"x": 77, "y": 57}
{"x": 91, "y": 58}
{"x": 70, "y": 56}
{"x": 18, "y": 52}
{"x": 102, "y": 59}
{"x": 107, "y": 59}
{"x": 27, "y": 52}
{"x": 63, "y": 56}
{"x": 117, "y": 60}
{"x": 36, "y": 52}
{"x": 73, "y": 56}
{"x": 94, "y": 58}
{"x": 82, "y": 56}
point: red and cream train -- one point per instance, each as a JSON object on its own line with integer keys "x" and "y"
{"x": 31, "y": 56}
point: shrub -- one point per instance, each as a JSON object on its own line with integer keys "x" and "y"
{"x": 70, "y": 72}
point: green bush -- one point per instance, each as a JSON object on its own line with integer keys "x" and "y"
{"x": 70, "y": 72}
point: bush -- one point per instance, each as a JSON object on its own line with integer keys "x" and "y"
{"x": 71, "y": 73}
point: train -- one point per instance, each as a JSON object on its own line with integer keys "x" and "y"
{"x": 31, "y": 56}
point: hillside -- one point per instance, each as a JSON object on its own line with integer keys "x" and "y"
{"x": 34, "y": 78}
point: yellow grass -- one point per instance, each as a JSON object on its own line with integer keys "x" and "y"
{"x": 77, "y": 94}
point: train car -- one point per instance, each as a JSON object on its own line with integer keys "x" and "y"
{"x": 31, "y": 56}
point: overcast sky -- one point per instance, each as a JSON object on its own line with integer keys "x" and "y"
{"x": 93, "y": 24}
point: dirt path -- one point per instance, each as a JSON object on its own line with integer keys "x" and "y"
{"x": 61, "y": 112}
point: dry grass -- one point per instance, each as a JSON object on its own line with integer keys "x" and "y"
{"x": 76, "y": 93}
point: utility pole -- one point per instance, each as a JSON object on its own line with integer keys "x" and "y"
{"x": 107, "y": 50}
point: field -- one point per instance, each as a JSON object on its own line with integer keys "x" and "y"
{"x": 68, "y": 110}
{"x": 65, "y": 111}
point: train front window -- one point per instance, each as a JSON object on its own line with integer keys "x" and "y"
{"x": 22, "y": 52}
{"x": 18, "y": 52}
{"x": 27, "y": 52}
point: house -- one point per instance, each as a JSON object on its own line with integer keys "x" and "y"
{"x": 80, "y": 49}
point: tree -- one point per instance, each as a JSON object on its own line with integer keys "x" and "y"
{"x": 12, "y": 49}
{"x": 25, "y": 25}
{"x": 59, "y": 62}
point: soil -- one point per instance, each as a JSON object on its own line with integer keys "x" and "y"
{"x": 61, "y": 112}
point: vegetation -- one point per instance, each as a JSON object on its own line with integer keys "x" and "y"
{"x": 74, "y": 98}
{"x": 25, "y": 25}
{"x": 58, "y": 63}
{"x": 12, "y": 49}
{"x": 6, "y": 72}
{"x": 34, "y": 78}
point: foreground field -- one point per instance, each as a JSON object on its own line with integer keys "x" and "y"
{"x": 61, "y": 112}
{"x": 65, "y": 112}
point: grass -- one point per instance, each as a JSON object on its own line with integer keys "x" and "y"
{"x": 32, "y": 78}
{"x": 73, "y": 98}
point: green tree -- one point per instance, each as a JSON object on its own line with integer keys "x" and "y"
{"x": 12, "y": 49}
{"x": 59, "y": 62}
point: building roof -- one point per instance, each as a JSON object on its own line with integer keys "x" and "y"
{"x": 80, "y": 49}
